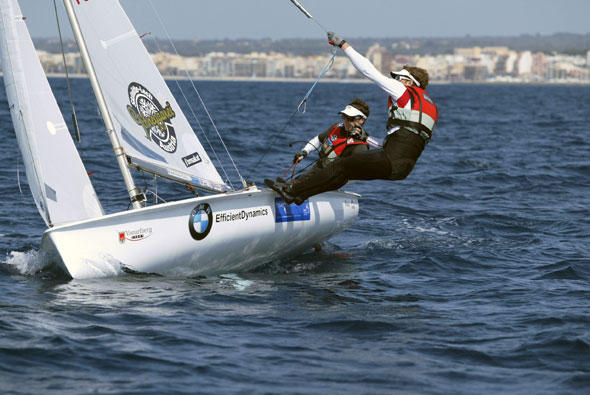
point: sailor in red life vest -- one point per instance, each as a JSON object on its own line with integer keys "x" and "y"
{"x": 341, "y": 139}
{"x": 412, "y": 116}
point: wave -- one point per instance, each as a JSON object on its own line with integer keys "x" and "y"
{"x": 355, "y": 326}
{"x": 563, "y": 270}
{"x": 575, "y": 347}
{"x": 25, "y": 263}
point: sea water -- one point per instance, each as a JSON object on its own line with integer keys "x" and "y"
{"x": 470, "y": 276}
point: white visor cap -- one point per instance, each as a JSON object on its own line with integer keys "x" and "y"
{"x": 405, "y": 73}
{"x": 352, "y": 112}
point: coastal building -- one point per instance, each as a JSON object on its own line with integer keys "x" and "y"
{"x": 381, "y": 58}
{"x": 524, "y": 65}
{"x": 472, "y": 64}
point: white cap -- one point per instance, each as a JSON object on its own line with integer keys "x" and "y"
{"x": 352, "y": 112}
{"x": 405, "y": 73}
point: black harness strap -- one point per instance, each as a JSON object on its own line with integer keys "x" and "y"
{"x": 413, "y": 125}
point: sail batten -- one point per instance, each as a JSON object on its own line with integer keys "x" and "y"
{"x": 56, "y": 176}
{"x": 146, "y": 117}
{"x": 108, "y": 43}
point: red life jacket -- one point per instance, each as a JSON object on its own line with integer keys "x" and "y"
{"x": 421, "y": 117}
{"x": 337, "y": 141}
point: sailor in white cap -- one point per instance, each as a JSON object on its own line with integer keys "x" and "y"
{"x": 341, "y": 139}
{"x": 412, "y": 116}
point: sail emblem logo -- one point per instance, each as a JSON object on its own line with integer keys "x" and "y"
{"x": 155, "y": 119}
{"x": 200, "y": 221}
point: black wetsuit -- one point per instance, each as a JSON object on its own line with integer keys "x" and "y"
{"x": 392, "y": 162}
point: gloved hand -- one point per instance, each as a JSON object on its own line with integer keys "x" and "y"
{"x": 299, "y": 156}
{"x": 335, "y": 40}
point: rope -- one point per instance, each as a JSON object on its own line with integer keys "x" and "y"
{"x": 201, "y": 101}
{"x": 294, "y": 165}
{"x": 297, "y": 110}
{"x": 324, "y": 70}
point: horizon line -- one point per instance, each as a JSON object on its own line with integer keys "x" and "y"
{"x": 358, "y": 38}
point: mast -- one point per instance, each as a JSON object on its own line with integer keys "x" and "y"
{"x": 135, "y": 193}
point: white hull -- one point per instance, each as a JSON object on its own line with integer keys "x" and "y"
{"x": 243, "y": 233}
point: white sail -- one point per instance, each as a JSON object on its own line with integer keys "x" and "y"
{"x": 147, "y": 118}
{"x": 57, "y": 178}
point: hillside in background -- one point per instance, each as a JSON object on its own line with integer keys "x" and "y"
{"x": 565, "y": 43}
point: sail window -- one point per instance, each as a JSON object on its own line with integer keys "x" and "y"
{"x": 50, "y": 193}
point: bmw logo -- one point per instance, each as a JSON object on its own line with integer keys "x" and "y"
{"x": 200, "y": 221}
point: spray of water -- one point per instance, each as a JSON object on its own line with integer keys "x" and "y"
{"x": 26, "y": 263}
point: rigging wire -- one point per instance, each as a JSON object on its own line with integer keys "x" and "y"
{"x": 74, "y": 116}
{"x": 61, "y": 45}
{"x": 194, "y": 115}
{"x": 154, "y": 192}
{"x": 202, "y": 103}
{"x": 302, "y": 103}
{"x": 308, "y": 15}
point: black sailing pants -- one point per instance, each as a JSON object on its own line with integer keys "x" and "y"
{"x": 393, "y": 162}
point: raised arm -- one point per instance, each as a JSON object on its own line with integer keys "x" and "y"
{"x": 393, "y": 88}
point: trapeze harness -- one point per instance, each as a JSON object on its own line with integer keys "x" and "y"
{"x": 337, "y": 141}
{"x": 419, "y": 119}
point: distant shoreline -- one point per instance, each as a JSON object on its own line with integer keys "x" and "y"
{"x": 344, "y": 81}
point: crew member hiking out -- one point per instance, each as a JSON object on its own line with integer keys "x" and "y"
{"x": 412, "y": 116}
{"x": 341, "y": 139}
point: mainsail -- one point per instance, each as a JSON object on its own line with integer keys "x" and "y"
{"x": 153, "y": 130}
{"x": 57, "y": 178}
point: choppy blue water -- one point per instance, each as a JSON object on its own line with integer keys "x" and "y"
{"x": 471, "y": 276}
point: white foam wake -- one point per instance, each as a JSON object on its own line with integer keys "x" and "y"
{"x": 26, "y": 263}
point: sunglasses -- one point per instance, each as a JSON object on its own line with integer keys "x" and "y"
{"x": 402, "y": 77}
{"x": 350, "y": 119}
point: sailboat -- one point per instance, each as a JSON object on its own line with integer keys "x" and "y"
{"x": 226, "y": 231}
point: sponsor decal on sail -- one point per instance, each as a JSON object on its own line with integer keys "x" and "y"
{"x": 191, "y": 159}
{"x": 155, "y": 119}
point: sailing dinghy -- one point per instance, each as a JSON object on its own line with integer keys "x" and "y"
{"x": 229, "y": 230}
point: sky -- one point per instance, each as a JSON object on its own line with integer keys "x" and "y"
{"x": 278, "y": 19}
